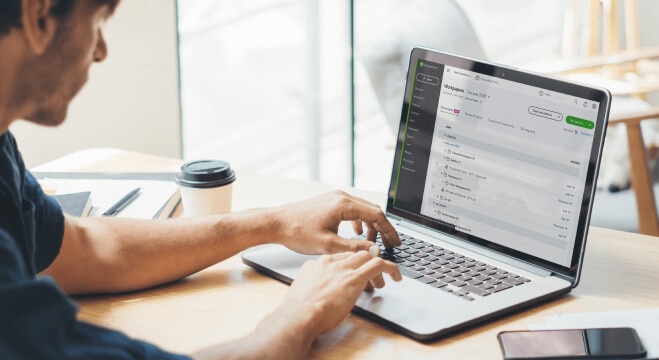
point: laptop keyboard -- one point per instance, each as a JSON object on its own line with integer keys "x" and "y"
{"x": 447, "y": 270}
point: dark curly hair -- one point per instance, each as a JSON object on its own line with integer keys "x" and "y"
{"x": 10, "y": 11}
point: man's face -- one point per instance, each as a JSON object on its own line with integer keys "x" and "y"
{"x": 52, "y": 79}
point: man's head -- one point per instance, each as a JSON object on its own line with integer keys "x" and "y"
{"x": 49, "y": 47}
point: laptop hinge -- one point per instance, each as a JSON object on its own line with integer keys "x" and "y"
{"x": 475, "y": 248}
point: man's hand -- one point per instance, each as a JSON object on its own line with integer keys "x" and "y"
{"x": 310, "y": 226}
{"x": 322, "y": 295}
{"x": 329, "y": 286}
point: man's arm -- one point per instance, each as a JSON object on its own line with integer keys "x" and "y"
{"x": 113, "y": 254}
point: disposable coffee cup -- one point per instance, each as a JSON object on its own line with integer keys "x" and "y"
{"x": 206, "y": 187}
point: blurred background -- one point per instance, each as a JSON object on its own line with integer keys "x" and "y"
{"x": 312, "y": 89}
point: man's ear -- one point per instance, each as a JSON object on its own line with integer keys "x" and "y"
{"x": 38, "y": 25}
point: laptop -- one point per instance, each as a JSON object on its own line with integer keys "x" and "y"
{"x": 491, "y": 191}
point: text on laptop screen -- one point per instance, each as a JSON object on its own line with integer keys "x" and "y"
{"x": 506, "y": 162}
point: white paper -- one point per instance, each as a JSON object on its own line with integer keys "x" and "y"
{"x": 645, "y": 321}
{"x": 105, "y": 193}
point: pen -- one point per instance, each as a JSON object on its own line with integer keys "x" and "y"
{"x": 122, "y": 203}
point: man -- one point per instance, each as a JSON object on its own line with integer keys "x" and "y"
{"x": 46, "y": 49}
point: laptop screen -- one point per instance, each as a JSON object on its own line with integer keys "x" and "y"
{"x": 498, "y": 157}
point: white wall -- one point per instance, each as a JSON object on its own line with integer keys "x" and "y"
{"x": 648, "y": 29}
{"x": 131, "y": 100}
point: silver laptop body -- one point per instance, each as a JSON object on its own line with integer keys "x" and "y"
{"x": 494, "y": 166}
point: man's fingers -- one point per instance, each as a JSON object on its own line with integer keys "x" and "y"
{"x": 367, "y": 267}
{"x": 340, "y": 244}
{"x": 339, "y": 256}
{"x": 357, "y": 227}
{"x": 375, "y": 219}
{"x": 376, "y": 266}
{"x": 377, "y": 282}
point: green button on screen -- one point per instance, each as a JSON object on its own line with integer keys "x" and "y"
{"x": 580, "y": 122}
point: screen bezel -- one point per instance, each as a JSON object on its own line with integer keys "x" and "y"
{"x": 571, "y": 272}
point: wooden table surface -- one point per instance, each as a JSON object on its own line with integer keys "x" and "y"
{"x": 227, "y": 300}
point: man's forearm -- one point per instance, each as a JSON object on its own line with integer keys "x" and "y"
{"x": 287, "y": 333}
{"x": 112, "y": 255}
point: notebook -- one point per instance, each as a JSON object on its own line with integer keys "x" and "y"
{"x": 77, "y": 204}
{"x": 491, "y": 190}
{"x": 159, "y": 195}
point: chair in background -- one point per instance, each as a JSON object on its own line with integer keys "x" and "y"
{"x": 616, "y": 210}
{"x": 612, "y": 58}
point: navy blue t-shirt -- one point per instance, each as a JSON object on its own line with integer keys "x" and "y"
{"x": 37, "y": 320}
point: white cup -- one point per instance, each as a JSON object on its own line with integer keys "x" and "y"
{"x": 206, "y": 187}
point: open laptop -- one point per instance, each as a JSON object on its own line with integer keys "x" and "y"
{"x": 491, "y": 190}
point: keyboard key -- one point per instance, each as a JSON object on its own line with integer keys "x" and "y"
{"x": 511, "y": 281}
{"x": 454, "y": 274}
{"x": 409, "y": 273}
{"x": 438, "y": 284}
{"x": 501, "y": 287}
{"x": 426, "y": 279}
{"x": 427, "y": 249}
{"x": 437, "y": 275}
{"x": 460, "y": 292}
{"x": 476, "y": 290}
{"x": 463, "y": 278}
{"x": 433, "y": 266}
{"x": 485, "y": 286}
{"x": 418, "y": 268}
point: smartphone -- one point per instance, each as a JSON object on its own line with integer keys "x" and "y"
{"x": 604, "y": 343}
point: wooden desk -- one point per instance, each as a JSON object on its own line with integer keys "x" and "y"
{"x": 227, "y": 300}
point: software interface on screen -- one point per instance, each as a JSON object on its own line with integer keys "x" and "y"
{"x": 506, "y": 162}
